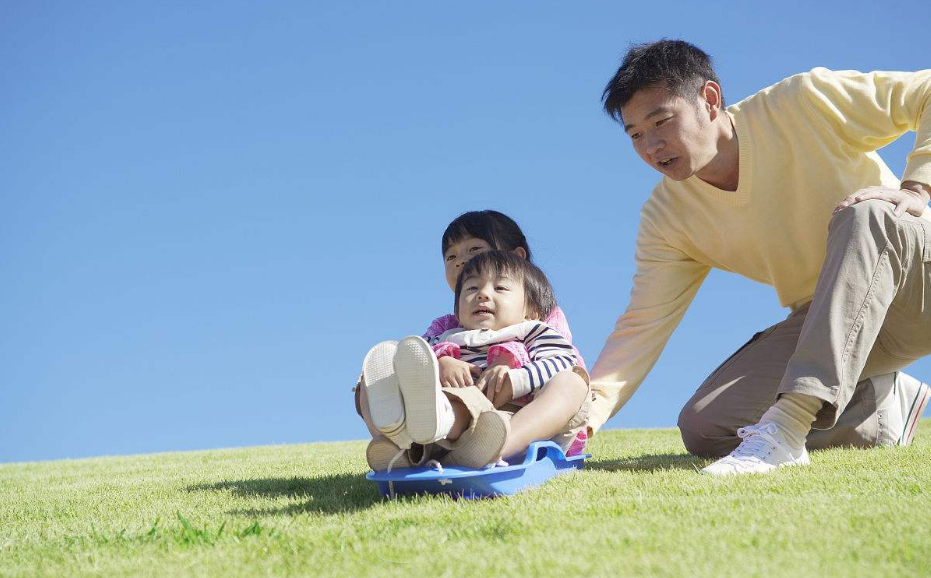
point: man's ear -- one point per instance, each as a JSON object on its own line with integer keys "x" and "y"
{"x": 713, "y": 98}
{"x": 520, "y": 252}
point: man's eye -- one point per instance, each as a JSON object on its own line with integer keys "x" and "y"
{"x": 502, "y": 288}
{"x": 634, "y": 135}
{"x": 449, "y": 258}
{"x": 474, "y": 249}
{"x": 663, "y": 121}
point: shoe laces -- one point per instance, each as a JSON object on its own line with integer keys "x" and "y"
{"x": 758, "y": 441}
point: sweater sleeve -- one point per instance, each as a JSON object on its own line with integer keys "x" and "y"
{"x": 549, "y": 353}
{"x": 513, "y": 351}
{"x": 870, "y": 110}
{"x": 446, "y": 349}
{"x": 664, "y": 285}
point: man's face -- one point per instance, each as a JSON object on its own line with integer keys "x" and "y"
{"x": 672, "y": 134}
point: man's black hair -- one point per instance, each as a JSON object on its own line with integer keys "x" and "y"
{"x": 540, "y": 298}
{"x": 497, "y": 229}
{"x": 676, "y": 65}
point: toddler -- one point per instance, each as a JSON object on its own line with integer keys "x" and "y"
{"x": 500, "y": 300}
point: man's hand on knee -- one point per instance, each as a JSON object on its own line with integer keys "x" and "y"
{"x": 912, "y": 198}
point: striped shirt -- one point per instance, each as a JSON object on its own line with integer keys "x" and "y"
{"x": 549, "y": 352}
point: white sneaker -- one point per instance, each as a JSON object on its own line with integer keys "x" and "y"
{"x": 913, "y": 397}
{"x": 429, "y": 415}
{"x": 386, "y": 406}
{"x": 762, "y": 450}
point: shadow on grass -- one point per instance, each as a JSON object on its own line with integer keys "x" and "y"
{"x": 325, "y": 495}
{"x": 650, "y": 463}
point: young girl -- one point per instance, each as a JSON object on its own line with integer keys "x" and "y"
{"x": 468, "y": 235}
{"x": 473, "y": 233}
{"x": 500, "y": 299}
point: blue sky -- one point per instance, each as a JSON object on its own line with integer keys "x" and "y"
{"x": 208, "y": 213}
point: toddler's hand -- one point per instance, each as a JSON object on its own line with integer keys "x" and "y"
{"x": 456, "y": 373}
{"x": 496, "y": 383}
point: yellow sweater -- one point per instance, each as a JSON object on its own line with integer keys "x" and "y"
{"x": 805, "y": 144}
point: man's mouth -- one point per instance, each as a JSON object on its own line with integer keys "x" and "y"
{"x": 667, "y": 163}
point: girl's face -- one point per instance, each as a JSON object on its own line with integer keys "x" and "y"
{"x": 459, "y": 253}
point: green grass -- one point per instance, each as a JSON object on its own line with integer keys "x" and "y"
{"x": 638, "y": 509}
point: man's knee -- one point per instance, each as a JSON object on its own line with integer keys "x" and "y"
{"x": 696, "y": 431}
{"x": 864, "y": 214}
{"x": 701, "y": 435}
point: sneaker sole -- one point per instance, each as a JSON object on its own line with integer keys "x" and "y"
{"x": 418, "y": 377}
{"x": 386, "y": 406}
{"x": 802, "y": 460}
{"x": 484, "y": 444}
{"x": 914, "y": 413}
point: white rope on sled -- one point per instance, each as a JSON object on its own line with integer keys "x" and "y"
{"x": 388, "y": 471}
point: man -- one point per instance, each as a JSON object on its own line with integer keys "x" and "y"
{"x": 752, "y": 189}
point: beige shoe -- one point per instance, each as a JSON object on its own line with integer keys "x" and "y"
{"x": 382, "y": 451}
{"x": 483, "y": 444}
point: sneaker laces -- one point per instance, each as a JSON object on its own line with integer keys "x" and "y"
{"x": 757, "y": 442}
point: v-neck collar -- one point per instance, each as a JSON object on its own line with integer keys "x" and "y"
{"x": 745, "y": 165}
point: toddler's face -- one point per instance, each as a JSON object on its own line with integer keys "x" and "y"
{"x": 489, "y": 301}
{"x": 458, "y": 254}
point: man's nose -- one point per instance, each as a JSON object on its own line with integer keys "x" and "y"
{"x": 654, "y": 144}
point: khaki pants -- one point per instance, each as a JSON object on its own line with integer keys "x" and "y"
{"x": 870, "y": 316}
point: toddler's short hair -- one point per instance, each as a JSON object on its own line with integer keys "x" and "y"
{"x": 537, "y": 289}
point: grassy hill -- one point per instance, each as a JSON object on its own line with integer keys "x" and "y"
{"x": 638, "y": 509}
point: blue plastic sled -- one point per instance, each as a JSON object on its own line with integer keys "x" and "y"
{"x": 543, "y": 461}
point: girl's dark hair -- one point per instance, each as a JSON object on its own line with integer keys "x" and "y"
{"x": 537, "y": 289}
{"x": 679, "y": 67}
{"x": 496, "y": 229}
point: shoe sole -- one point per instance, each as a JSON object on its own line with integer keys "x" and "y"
{"x": 386, "y": 406}
{"x": 711, "y": 471}
{"x": 803, "y": 460}
{"x": 418, "y": 377}
{"x": 380, "y": 452}
{"x": 484, "y": 445}
{"x": 914, "y": 413}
